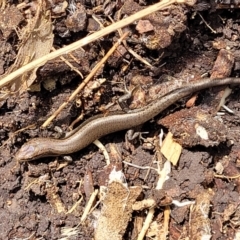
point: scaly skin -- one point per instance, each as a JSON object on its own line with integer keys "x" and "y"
{"x": 100, "y": 125}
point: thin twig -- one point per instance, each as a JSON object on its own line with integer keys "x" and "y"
{"x": 227, "y": 177}
{"x": 86, "y": 80}
{"x": 134, "y": 54}
{"x": 69, "y": 64}
{"x": 207, "y": 23}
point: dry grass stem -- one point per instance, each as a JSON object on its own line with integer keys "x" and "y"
{"x": 69, "y": 64}
{"x": 91, "y": 38}
{"x": 85, "y": 81}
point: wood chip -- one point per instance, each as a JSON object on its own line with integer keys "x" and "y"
{"x": 171, "y": 149}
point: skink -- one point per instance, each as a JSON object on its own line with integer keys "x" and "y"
{"x": 101, "y": 125}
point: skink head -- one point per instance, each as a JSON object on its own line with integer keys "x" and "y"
{"x": 30, "y": 151}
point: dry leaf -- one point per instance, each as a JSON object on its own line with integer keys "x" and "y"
{"x": 36, "y": 41}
